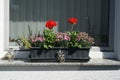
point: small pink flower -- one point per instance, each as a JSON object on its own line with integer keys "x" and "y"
{"x": 41, "y": 39}
{"x": 78, "y": 38}
{"x": 37, "y": 39}
{"x": 33, "y": 41}
{"x": 66, "y": 37}
{"x": 59, "y": 36}
{"x": 91, "y": 40}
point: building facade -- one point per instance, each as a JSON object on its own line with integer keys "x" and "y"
{"x": 92, "y": 15}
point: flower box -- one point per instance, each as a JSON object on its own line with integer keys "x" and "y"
{"x": 58, "y": 46}
{"x": 70, "y": 54}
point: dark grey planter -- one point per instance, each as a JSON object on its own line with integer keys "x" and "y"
{"x": 70, "y": 54}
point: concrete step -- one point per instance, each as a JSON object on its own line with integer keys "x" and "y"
{"x": 25, "y": 65}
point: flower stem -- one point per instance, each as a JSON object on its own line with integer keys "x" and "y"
{"x": 72, "y": 28}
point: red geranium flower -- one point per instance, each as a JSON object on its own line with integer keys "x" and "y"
{"x": 73, "y": 20}
{"x": 50, "y": 24}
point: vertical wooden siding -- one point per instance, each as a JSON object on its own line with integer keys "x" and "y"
{"x": 36, "y": 12}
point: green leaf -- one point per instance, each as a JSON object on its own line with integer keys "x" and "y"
{"x": 76, "y": 44}
{"x": 79, "y": 46}
{"x": 25, "y": 42}
{"x": 45, "y": 46}
{"x": 50, "y": 46}
{"x": 30, "y": 31}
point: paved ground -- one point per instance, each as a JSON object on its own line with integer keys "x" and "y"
{"x": 60, "y": 75}
{"x": 20, "y": 70}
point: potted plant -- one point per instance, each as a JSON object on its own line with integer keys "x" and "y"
{"x": 61, "y": 46}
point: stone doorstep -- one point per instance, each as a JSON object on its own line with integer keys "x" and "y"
{"x": 93, "y": 64}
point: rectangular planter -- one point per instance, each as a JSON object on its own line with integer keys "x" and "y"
{"x": 70, "y": 54}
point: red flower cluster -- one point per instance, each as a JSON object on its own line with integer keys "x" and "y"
{"x": 50, "y": 24}
{"x": 73, "y": 20}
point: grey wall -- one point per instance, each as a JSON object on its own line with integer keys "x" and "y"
{"x": 37, "y": 12}
{"x": 117, "y": 29}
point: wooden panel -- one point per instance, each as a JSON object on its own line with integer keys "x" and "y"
{"x": 97, "y": 19}
{"x": 104, "y": 17}
{"x": 43, "y": 15}
{"x": 77, "y": 14}
{"x": 35, "y": 13}
{"x": 21, "y": 18}
{"x": 57, "y": 13}
{"x": 70, "y": 12}
{"x": 83, "y": 14}
{"x": 91, "y": 5}
{"x": 63, "y": 14}
{"x": 29, "y": 15}
{"x": 70, "y": 8}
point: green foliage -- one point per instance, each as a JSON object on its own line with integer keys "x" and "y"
{"x": 80, "y": 39}
{"x": 50, "y": 38}
{"x": 30, "y": 31}
{"x": 25, "y": 42}
{"x": 73, "y": 42}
